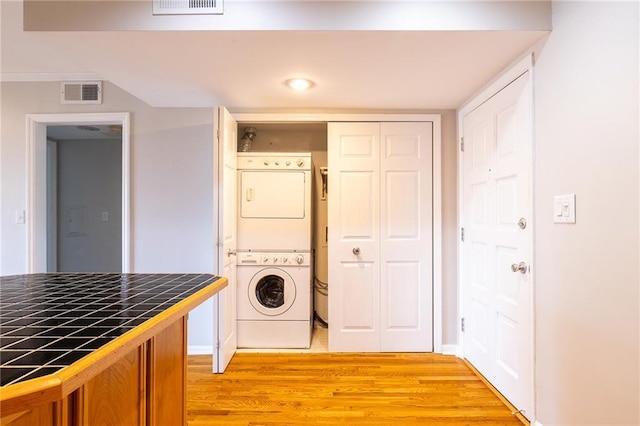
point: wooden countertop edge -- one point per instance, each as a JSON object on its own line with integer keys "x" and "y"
{"x": 32, "y": 393}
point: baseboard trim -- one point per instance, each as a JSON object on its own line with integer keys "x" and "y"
{"x": 199, "y": 350}
{"x": 536, "y": 423}
{"x": 504, "y": 400}
{"x": 451, "y": 350}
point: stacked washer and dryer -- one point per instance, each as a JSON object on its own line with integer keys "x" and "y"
{"x": 274, "y": 274}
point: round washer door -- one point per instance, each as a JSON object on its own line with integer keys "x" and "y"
{"x": 272, "y": 291}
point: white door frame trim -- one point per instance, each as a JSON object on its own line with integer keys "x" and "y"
{"x": 36, "y": 192}
{"x": 437, "y": 185}
{"x": 525, "y": 64}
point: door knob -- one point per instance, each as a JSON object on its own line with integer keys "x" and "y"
{"x": 356, "y": 250}
{"x": 519, "y": 267}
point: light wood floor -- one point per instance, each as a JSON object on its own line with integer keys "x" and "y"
{"x": 346, "y": 389}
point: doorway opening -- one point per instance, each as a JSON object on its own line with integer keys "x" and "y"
{"x": 84, "y": 198}
{"x": 62, "y": 230}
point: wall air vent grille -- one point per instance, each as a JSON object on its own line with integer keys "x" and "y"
{"x": 187, "y": 7}
{"x": 75, "y": 92}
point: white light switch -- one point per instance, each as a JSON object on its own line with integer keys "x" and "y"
{"x": 564, "y": 208}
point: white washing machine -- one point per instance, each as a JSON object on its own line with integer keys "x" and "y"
{"x": 274, "y": 201}
{"x": 274, "y": 299}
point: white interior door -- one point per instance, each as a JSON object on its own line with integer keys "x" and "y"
{"x": 380, "y": 237}
{"x": 225, "y": 129}
{"x": 354, "y": 236}
{"x": 406, "y": 274}
{"x": 497, "y": 170}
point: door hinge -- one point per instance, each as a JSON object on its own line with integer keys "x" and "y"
{"x": 462, "y": 324}
{"x": 462, "y": 144}
{"x": 218, "y": 241}
{"x": 218, "y": 133}
{"x": 462, "y": 234}
{"x": 217, "y": 344}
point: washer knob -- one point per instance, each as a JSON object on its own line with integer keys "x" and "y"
{"x": 300, "y": 162}
{"x": 285, "y": 259}
{"x": 288, "y": 162}
{"x": 299, "y": 259}
{"x": 265, "y": 259}
{"x": 275, "y": 259}
{"x": 266, "y": 162}
{"x": 277, "y": 163}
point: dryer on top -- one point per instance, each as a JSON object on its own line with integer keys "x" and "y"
{"x": 274, "y": 201}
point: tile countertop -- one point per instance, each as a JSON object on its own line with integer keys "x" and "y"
{"x": 50, "y": 321}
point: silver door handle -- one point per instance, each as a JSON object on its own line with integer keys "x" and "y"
{"x": 231, "y": 253}
{"x": 519, "y": 267}
{"x": 356, "y": 250}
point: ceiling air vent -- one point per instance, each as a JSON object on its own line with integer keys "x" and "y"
{"x": 187, "y": 7}
{"x": 74, "y": 92}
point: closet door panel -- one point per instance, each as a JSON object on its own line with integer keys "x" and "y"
{"x": 354, "y": 237}
{"x": 406, "y": 237}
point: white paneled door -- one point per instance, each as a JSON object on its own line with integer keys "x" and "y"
{"x": 380, "y": 236}
{"x": 406, "y": 235}
{"x": 225, "y": 131}
{"x": 496, "y": 216}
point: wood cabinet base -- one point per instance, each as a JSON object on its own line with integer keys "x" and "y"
{"x": 146, "y": 386}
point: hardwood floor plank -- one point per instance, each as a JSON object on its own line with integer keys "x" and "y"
{"x": 341, "y": 389}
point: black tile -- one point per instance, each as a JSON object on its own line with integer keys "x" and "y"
{"x": 59, "y": 331}
{"x": 111, "y": 322}
{"x": 26, "y": 331}
{"x": 51, "y": 322}
{"x": 137, "y": 321}
{"x": 81, "y": 322}
{"x": 68, "y": 343}
{"x": 6, "y": 341}
{"x": 90, "y": 332}
{"x": 9, "y": 355}
{"x": 40, "y": 372}
{"x": 70, "y": 357}
{"x": 97, "y": 343}
{"x": 8, "y": 375}
{"x": 118, "y": 331}
{"x": 6, "y": 330}
{"x": 36, "y": 358}
{"x": 31, "y": 343}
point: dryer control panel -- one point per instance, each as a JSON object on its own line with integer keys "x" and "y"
{"x": 249, "y": 258}
{"x": 274, "y": 161}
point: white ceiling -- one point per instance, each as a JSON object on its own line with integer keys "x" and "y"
{"x": 245, "y": 70}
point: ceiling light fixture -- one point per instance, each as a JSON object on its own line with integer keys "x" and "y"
{"x": 88, "y": 128}
{"x": 299, "y": 83}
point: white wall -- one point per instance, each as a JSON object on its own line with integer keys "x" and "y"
{"x": 90, "y": 175}
{"x": 171, "y": 182}
{"x": 587, "y": 274}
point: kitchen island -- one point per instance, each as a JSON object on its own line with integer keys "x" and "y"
{"x": 90, "y": 348}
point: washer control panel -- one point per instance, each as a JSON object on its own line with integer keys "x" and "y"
{"x": 248, "y": 258}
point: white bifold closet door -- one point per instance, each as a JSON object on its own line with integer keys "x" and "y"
{"x": 380, "y": 236}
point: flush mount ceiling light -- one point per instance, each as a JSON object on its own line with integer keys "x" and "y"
{"x": 88, "y": 128}
{"x": 299, "y": 83}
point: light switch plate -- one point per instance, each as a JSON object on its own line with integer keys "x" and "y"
{"x": 564, "y": 208}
